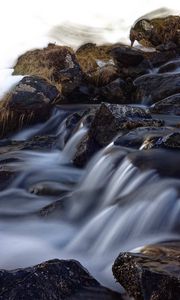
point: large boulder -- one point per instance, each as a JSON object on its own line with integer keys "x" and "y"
{"x": 109, "y": 120}
{"x": 51, "y": 280}
{"x": 152, "y": 274}
{"x": 55, "y": 63}
{"x": 30, "y": 102}
{"x": 152, "y": 88}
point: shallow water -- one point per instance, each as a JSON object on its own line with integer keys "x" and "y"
{"x": 108, "y": 207}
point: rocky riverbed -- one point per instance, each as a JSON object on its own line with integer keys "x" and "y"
{"x": 90, "y": 139}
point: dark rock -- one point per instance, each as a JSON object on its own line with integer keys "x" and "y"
{"x": 116, "y": 91}
{"x": 131, "y": 62}
{"x": 169, "y": 105}
{"x": 6, "y": 177}
{"x": 109, "y": 120}
{"x": 169, "y": 67}
{"x": 164, "y": 161}
{"x": 37, "y": 143}
{"x": 152, "y": 88}
{"x": 30, "y": 102}
{"x": 127, "y": 56}
{"x": 74, "y": 121}
{"x": 158, "y": 58}
{"x": 85, "y": 150}
{"x": 153, "y": 275}
{"x": 135, "y": 138}
{"x": 51, "y": 280}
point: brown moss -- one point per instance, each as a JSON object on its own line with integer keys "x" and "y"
{"x": 88, "y": 55}
{"x": 46, "y": 62}
{"x": 156, "y": 31}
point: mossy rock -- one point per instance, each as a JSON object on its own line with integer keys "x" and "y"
{"x": 58, "y": 64}
{"x": 152, "y": 33}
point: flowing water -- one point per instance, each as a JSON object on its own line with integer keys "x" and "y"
{"x": 107, "y": 207}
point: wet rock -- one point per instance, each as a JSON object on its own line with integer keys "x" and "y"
{"x": 109, "y": 120}
{"x": 164, "y": 161}
{"x": 170, "y": 141}
{"x": 171, "y": 66}
{"x": 158, "y": 58}
{"x": 37, "y": 143}
{"x": 131, "y": 62}
{"x": 30, "y": 102}
{"x": 80, "y": 118}
{"x": 151, "y": 275}
{"x": 85, "y": 150}
{"x": 157, "y": 31}
{"x": 169, "y": 105}
{"x": 6, "y": 177}
{"x": 54, "y": 279}
{"x": 112, "y": 118}
{"x": 137, "y": 137}
{"x": 152, "y": 88}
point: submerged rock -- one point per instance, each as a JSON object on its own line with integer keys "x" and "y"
{"x": 169, "y": 105}
{"x": 54, "y": 279}
{"x": 152, "y": 88}
{"x": 152, "y": 274}
{"x": 30, "y": 102}
{"x": 155, "y": 32}
{"x": 109, "y": 120}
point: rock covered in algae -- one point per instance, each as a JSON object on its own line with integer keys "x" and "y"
{"x": 152, "y": 274}
{"x": 157, "y": 31}
{"x": 53, "y": 280}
